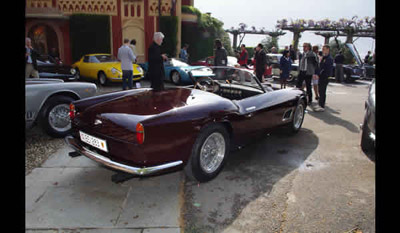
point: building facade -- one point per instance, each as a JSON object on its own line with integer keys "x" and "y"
{"x": 47, "y": 22}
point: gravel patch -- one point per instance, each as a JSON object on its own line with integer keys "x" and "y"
{"x": 38, "y": 147}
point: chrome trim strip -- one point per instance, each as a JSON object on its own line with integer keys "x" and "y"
{"x": 118, "y": 166}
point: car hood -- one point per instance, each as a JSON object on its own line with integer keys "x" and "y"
{"x": 355, "y": 53}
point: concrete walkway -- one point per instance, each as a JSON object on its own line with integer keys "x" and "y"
{"x": 76, "y": 195}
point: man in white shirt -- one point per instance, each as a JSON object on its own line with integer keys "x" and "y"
{"x": 30, "y": 62}
{"x": 126, "y": 56}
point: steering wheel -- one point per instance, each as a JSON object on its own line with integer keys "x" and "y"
{"x": 206, "y": 84}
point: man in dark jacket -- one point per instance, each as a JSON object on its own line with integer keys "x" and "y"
{"x": 261, "y": 61}
{"x": 326, "y": 68}
{"x": 156, "y": 71}
{"x": 339, "y": 60}
{"x": 220, "y": 55}
{"x": 30, "y": 60}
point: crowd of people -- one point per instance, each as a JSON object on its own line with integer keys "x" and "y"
{"x": 315, "y": 66}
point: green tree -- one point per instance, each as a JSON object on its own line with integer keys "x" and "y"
{"x": 270, "y": 42}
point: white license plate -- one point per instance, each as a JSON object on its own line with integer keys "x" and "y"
{"x": 93, "y": 141}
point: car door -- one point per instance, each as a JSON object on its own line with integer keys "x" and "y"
{"x": 88, "y": 67}
{"x": 265, "y": 111}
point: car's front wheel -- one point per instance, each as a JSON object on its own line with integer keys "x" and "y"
{"x": 175, "y": 77}
{"x": 102, "y": 78}
{"x": 209, "y": 153}
{"x": 298, "y": 116}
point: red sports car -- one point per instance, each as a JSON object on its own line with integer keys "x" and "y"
{"x": 145, "y": 132}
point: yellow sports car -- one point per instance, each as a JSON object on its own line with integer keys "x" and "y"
{"x": 104, "y": 68}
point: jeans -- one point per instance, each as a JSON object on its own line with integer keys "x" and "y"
{"x": 127, "y": 76}
{"x": 303, "y": 76}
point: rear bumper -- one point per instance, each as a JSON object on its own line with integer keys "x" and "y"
{"x": 118, "y": 166}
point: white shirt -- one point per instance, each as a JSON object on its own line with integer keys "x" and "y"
{"x": 126, "y": 56}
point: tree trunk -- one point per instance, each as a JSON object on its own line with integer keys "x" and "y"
{"x": 296, "y": 38}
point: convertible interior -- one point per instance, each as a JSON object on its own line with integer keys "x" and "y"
{"x": 234, "y": 86}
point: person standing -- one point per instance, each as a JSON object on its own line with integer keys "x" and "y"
{"x": 339, "y": 60}
{"x": 307, "y": 65}
{"x": 125, "y": 55}
{"x": 285, "y": 66}
{"x": 156, "y": 71}
{"x": 367, "y": 57}
{"x": 261, "y": 61}
{"x": 30, "y": 60}
{"x": 325, "y": 71}
{"x": 220, "y": 54}
{"x": 244, "y": 56}
{"x": 183, "y": 55}
{"x": 292, "y": 53}
{"x": 132, "y": 45}
{"x": 315, "y": 76}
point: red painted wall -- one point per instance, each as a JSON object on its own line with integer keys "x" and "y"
{"x": 116, "y": 28}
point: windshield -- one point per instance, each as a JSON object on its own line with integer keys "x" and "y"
{"x": 274, "y": 58}
{"x": 229, "y": 75}
{"x": 104, "y": 58}
{"x": 177, "y": 63}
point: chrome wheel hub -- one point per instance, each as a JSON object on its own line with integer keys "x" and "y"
{"x": 212, "y": 152}
{"x": 59, "y": 118}
{"x": 298, "y": 117}
{"x": 175, "y": 77}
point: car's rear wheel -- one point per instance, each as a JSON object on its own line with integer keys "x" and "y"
{"x": 175, "y": 77}
{"x": 102, "y": 78}
{"x": 209, "y": 153}
{"x": 54, "y": 117}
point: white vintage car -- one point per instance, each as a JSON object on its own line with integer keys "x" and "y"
{"x": 47, "y": 103}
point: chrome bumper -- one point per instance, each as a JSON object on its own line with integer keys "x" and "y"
{"x": 118, "y": 166}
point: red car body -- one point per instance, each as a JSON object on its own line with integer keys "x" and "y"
{"x": 171, "y": 121}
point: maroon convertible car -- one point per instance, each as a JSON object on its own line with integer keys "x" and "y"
{"x": 144, "y": 132}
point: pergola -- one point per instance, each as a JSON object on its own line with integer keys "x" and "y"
{"x": 344, "y": 27}
{"x": 242, "y": 31}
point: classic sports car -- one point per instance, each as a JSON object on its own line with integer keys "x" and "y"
{"x": 274, "y": 62}
{"x": 104, "y": 68}
{"x": 47, "y": 103}
{"x": 48, "y": 67}
{"x": 145, "y": 132}
{"x": 176, "y": 71}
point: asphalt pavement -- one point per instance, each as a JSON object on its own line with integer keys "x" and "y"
{"x": 318, "y": 180}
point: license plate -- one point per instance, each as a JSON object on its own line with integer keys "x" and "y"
{"x": 93, "y": 141}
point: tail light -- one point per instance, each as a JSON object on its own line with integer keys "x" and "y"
{"x": 72, "y": 111}
{"x": 139, "y": 133}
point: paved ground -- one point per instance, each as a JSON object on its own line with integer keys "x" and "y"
{"x": 316, "y": 181}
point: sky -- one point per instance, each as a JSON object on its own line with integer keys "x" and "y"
{"x": 266, "y": 13}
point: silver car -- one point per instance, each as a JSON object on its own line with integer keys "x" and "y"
{"x": 47, "y": 103}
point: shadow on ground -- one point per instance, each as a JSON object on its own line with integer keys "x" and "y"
{"x": 332, "y": 117}
{"x": 249, "y": 173}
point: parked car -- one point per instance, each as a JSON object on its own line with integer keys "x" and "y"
{"x": 145, "y": 132}
{"x": 104, "y": 68}
{"x": 368, "y": 126}
{"x": 209, "y": 61}
{"x": 353, "y": 72}
{"x": 48, "y": 67}
{"x": 273, "y": 60}
{"x": 47, "y": 103}
{"x": 176, "y": 71}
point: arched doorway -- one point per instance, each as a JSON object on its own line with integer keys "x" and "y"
{"x": 44, "y": 39}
